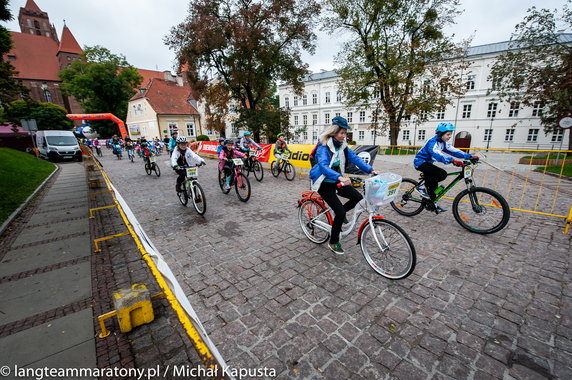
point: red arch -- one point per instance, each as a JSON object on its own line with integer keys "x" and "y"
{"x": 101, "y": 116}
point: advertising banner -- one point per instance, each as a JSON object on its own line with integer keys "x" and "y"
{"x": 300, "y": 156}
{"x": 208, "y": 147}
{"x": 367, "y": 153}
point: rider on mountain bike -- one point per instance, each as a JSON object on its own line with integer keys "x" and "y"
{"x": 116, "y": 144}
{"x": 245, "y": 144}
{"x": 433, "y": 151}
{"x": 183, "y": 156}
{"x": 226, "y": 155}
{"x": 280, "y": 149}
{"x": 332, "y": 155}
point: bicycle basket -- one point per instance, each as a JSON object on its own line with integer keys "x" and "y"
{"x": 382, "y": 188}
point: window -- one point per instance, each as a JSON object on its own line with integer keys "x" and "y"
{"x": 295, "y": 100}
{"x": 362, "y": 116}
{"x": 305, "y": 100}
{"x": 440, "y": 115}
{"x": 537, "y": 109}
{"x": 532, "y": 135}
{"x": 326, "y": 118}
{"x": 314, "y": 135}
{"x": 12, "y": 57}
{"x": 492, "y": 111}
{"x": 234, "y": 129}
{"x": 509, "y": 135}
{"x": 421, "y": 135}
{"x": 426, "y": 86}
{"x": 287, "y": 102}
{"x": 327, "y": 97}
{"x": 304, "y": 119}
{"x": 350, "y": 117}
{"x": 36, "y": 24}
{"x": 134, "y": 110}
{"x": 470, "y": 82}
{"x": 338, "y": 97}
{"x": 190, "y": 129}
{"x": 305, "y": 135}
{"x": 314, "y": 98}
{"x": 406, "y": 117}
{"x": 314, "y": 119}
{"x": 488, "y": 134}
{"x": 361, "y": 135}
{"x": 172, "y": 128}
{"x": 139, "y": 111}
{"x": 423, "y": 115}
{"x": 29, "y": 22}
{"x": 295, "y": 119}
{"x": 495, "y": 83}
{"x": 513, "y": 111}
{"x": 557, "y": 135}
{"x": 47, "y": 96}
{"x": 405, "y": 136}
{"x": 372, "y": 133}
{"x": 466, "y": 111}
{"x": 338, "y": 114}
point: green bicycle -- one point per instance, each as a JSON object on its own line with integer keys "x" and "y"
{"x": 477, "y": 209}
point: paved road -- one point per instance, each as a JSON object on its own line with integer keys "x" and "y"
{"x": 478, "y": 307}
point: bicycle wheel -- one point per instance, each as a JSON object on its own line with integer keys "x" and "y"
{"x": 258, "y": 170}
{"x": 148, "y": 169}
{"x": 199, "y": 200}
{"x": 411, "y": 202}
{"x": 242, "y": 187}
{"x": 481, "y": 210}
{"x": 308, "y": 212}
{"x": 394, "y": 257}
{"x": 131, "y": 157}
{"x": 184, "y": 195}
{"x": 222, "y": 181}
{"x": 274, "y": 169}
{"x": 289, "y": 171}
{"x": 157, "y": 169}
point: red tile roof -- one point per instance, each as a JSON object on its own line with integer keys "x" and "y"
{"x": 148, "y": 75}
{"x": 31, "y": 5}
{"x": 167, "y": 98}
{"x": 68, "y": 43}
{"x": 35, "y": 57}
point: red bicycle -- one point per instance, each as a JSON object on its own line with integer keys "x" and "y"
{"x": 238, "y": 180}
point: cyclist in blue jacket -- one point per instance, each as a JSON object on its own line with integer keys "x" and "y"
{"x": 332, "y": 155}
{"x": 433, "y": 151}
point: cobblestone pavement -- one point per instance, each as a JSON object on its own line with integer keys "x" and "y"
{"x": 476, "y": 307}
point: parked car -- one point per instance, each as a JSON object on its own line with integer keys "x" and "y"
{"x": 58, "y": 145}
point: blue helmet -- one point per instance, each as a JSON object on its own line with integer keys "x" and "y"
{"x": 247, "y": 133}
{"x": 445, "y": 127}
{"x": 340, "y": 122}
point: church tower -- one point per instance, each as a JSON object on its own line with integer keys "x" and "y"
{"x": 34, "y": 21}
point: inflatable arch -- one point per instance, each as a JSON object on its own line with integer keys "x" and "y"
{"x": 101, "y": 116}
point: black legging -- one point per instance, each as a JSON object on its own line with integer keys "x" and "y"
{"x": 433, "y": 175}
{"x": 328, "y": 192}
{"x": 182, "y": 174}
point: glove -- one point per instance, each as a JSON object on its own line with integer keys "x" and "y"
{"x": 203, "y": 163}
{"x": 176, "y": 167}
{"x": 259, "y": 149}
{"x": 457, "y": 163}
{"x": 474, "y": 159}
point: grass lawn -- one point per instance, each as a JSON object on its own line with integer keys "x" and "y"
{"x": 21, "y": 174}
{"x": 556, "y": 169}
{"x": 396, "y": 151}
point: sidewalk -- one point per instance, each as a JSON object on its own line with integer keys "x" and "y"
{"x": 46, "y": 316}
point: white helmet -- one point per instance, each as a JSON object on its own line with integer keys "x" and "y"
{"x": 181, "y": 139}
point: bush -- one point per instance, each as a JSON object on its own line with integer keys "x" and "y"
{"x": 203, "y": 138}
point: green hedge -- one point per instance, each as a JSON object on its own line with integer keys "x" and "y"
{"x": 203, "y": 138}
{"x": 396, "y": 151}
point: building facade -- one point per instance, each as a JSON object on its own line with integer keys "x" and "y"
{"x": 481, "y": 120}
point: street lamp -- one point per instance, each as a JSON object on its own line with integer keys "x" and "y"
{"x": 489, "y": 137}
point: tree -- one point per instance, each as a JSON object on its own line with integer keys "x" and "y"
{"x": 47, "y": 115}
{"x": 538, "y": 66}
{"x": 247, "y": 45}
{"x": 101, "y": 82}
{"x": 398, "y": 61}
{"x": 217, "y": 99}
{"x": 10, "y": 88}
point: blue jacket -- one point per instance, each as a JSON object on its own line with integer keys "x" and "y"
{"x": 433, "y": 151}
{"x": 172, "y": 143}
{"x": 324, "y": 156}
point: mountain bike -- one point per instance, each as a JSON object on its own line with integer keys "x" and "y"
{"x": 151, "y": 165}
{"x": 117, "y": 151}
{"x": 238, "y": 179}
{"x": 285, "y": 167}
{"x": 253, "y": 164}
{"x": 130, "y": 154}
{"x": 477, "y": 209}
{"x": 385, "y": 245}
{"x": 99, "y": 152}
{"x": 191, "y": 189}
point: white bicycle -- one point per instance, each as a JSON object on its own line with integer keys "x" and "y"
{"x": 386, "y": 247}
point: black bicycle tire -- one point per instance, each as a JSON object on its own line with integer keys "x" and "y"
{"x": 257, "y": 164}
{"x": 202, "y": 194}
{"x": 274, "y": 169}
{"x": 222, "y": 181}
{"x": 292, "y": 170}
{"x": 183, "y": 194}
{"x": 504, "y": 206}
{"x": 247, "y": 185}
{"x": 148, "y": 168}
{"x": 400, "y": 211}
{"x": 156, "y": 169}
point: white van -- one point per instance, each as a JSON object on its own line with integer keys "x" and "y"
{"x": 58, "y": 145}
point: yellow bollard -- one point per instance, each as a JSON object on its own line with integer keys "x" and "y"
{"x": 133, "y": 307}
{"x": 568, "y": 220}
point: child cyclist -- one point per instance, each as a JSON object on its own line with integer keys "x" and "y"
{"x": 332, "y": 155}
{"x": 183, "y": 156}
{"x": 433, "y": 151}
{"x": 227, "y": 153}
{"x": 280, "y": 149}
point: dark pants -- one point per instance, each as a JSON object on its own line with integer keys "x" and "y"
{"x": 182, "y": 173}
{"x": 433, "y": 175}
{"x": 228, "y": 165}
{"x": 328, "y": 192}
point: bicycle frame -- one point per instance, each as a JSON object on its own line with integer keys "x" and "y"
{"x": 466, "y": 173}
{"x": 190, "y": 181}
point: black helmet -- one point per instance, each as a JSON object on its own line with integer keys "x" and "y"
{"x": 143, "y": 144}
{"x": 228, "y": 141}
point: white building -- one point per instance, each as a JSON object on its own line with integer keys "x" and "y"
{"x": 484, "y": 119}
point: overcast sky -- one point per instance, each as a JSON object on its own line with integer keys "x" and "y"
{"x": 136, "y": 28}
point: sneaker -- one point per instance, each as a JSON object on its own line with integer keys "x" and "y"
{"x": 336, "y": 248}
{"x": 178, "y": 188}
{"x": 439, "y": 210}
{"x": 226, "y": 186}
{"x": 423, "y": 191}
{"x": 346, "y": 221}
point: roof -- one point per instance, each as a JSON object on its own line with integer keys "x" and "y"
{"x": 167, "y": 98}
{"x": 35, "y": 57}
{"x": 148, "y": 75}
{"x": 68, "y": 43}
{"x": 31, "y": 5}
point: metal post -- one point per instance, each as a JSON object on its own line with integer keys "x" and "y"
{"x": 490, "y": 134}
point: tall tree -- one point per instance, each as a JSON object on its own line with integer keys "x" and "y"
{"x": 538, "y": 66}
{"x": 398, "y": 62}
{"x": 47, "y": 115}
{"x": 247, "y": 45}
{"x": 10, "y": 88}
{"x": 101, "y": 82}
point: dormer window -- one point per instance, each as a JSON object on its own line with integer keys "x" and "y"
{"x": 12, "y": 57}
